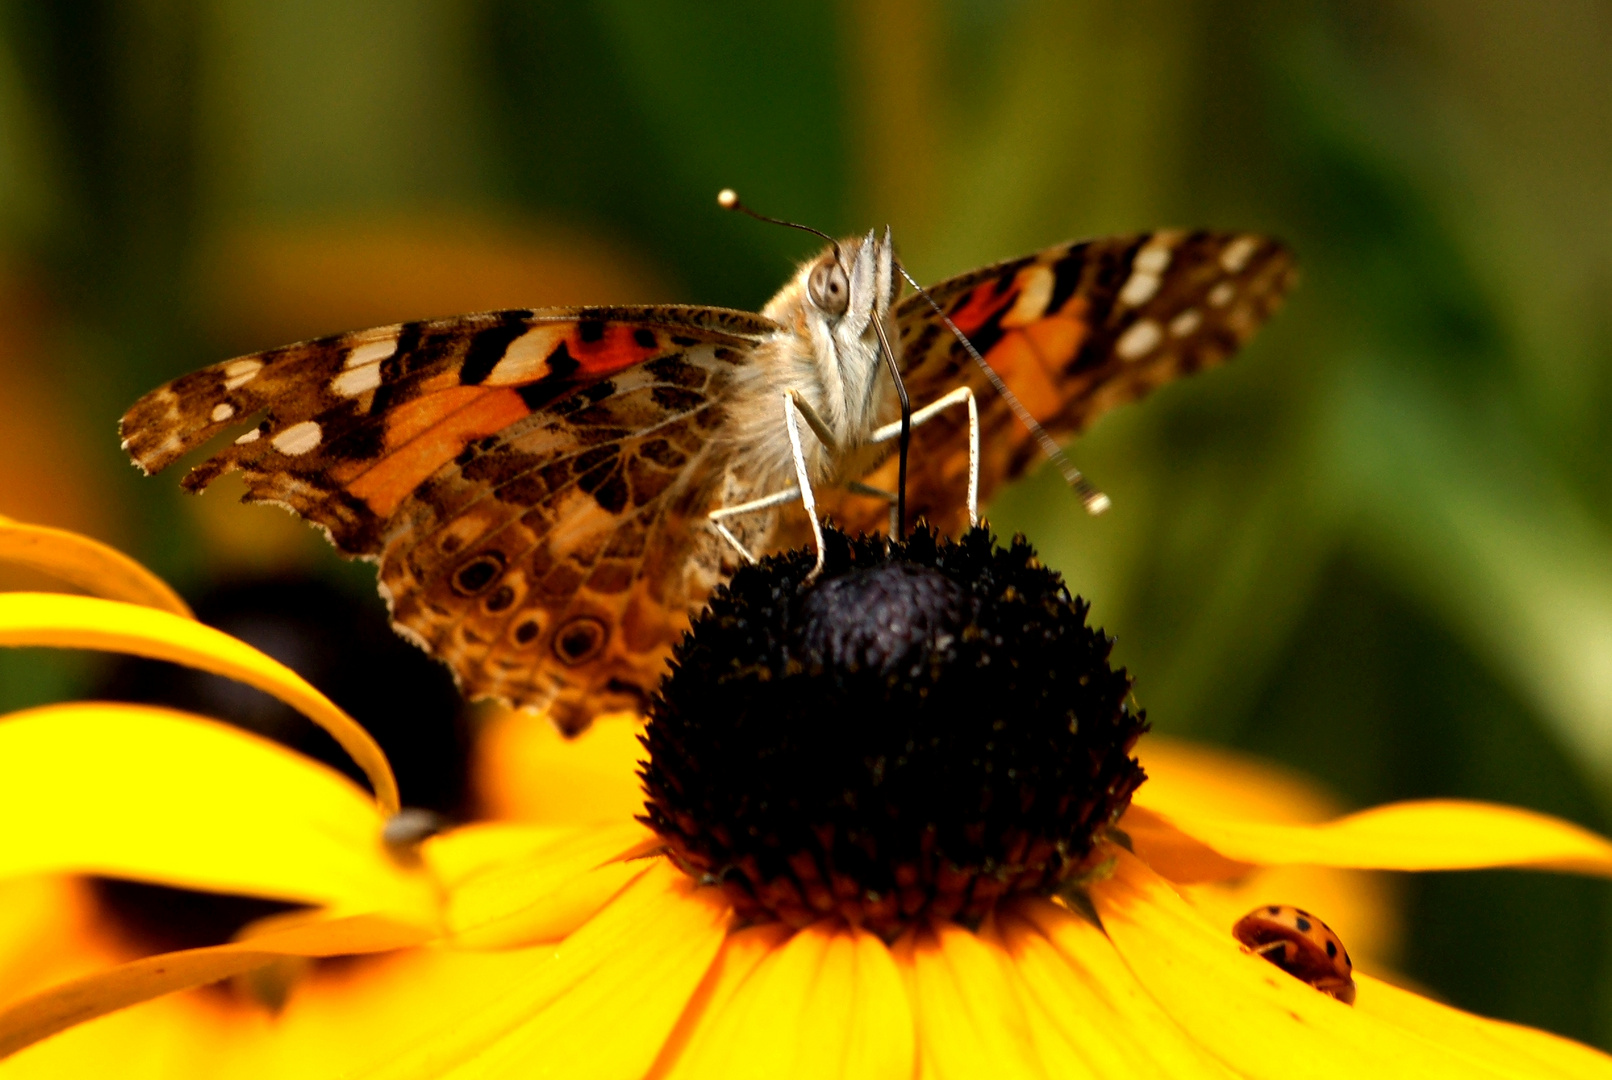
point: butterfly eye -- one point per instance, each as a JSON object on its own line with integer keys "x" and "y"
{"x": 828, "y": 288}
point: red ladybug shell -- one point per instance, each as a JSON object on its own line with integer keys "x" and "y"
{"x": 1301, "y": 945}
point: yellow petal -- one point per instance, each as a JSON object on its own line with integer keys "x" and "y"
{"x": 139, "y": 792}
{"x": 86, "y": 564}
{"x": 1186, "y": 779}
{"x": 688, "y": 1049}
{"x": 338, "y": 1018}
{"x": 825, "y": 1002}
{"x": 527, "y": 771}
{"x": 1088, "y": 1014}
{"x": 546, "y": 894}
{"x": 603, "y": 1003}
{"x": 84, "y": 622}
{"x": 41, "y": 1015}
{"x": 968, "y": 1017}
{"x": 1525, "y": 1050}
{"x": 1257, "y": 1019}
{"x": 1436, "y": 834}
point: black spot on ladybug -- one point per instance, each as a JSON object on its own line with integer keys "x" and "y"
{"x": 501, "y": 599}
{"x": 590, "y": 330}
{"x": 525, "y": 632}
{"x": 644, "y": 338}
{"x": 479, "y": 573}
{"x": 1303, "y": 924}
{"x": 1274, "y": 910}
{"x": 1332, "y": 948}
{"x": 580, "y": 639}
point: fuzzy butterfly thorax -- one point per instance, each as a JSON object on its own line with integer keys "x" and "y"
{"x": 535, "y": 484}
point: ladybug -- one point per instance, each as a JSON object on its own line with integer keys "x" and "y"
{"x": 1301, "y": 945}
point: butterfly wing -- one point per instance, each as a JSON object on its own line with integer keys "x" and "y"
{"x": 526, "y": 479}
{"x": 1073, "y": 330}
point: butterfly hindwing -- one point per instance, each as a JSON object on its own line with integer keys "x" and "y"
{"x": 522, "y": 477}
{"x": 555, "y": 564}
{"x": 1073, "y": 330}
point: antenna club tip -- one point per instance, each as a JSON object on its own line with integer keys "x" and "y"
{"x": 1097, "y": 503}
{"x": 727, "y": 198}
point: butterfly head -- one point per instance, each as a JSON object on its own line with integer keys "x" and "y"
{"x": 837, "y": 296}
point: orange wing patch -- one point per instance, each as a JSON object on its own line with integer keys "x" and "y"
{"x": 1031, "y": 344}
{"x": 425, "y": 434}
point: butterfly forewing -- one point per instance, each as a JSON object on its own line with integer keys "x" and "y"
{"x": 1073, "y": 330}
{"x": 523, "y": 476}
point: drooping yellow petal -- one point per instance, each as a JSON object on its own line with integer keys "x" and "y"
{"x": 1259, "y": 1020}
{"x": 601, "y": 1006}
{"x": 1186, "y": 778}
{"x": 86, "y": 564}
{"x": 58, "y": 1008}
{"x": 84, "y": 622}
{"x": 1215, "y": 783}
{"x": 338, "y": 1018}
{"x": 1435, "y": 834}
{"x": 139, "y": 792}
{"x": 967, "y": 1015}
{"x": 824, "y": 1002}
{"x": 546, "y": 894}
{"x": 1088, "y": 1014}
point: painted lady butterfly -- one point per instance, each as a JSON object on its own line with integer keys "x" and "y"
{"x": 533, "y": 482}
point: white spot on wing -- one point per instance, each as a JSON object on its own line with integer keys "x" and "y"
{"x": 1236, "y": 254}
{"x": 1035, "y": 291}
{"x": 1139, "y": 288}
{"x": 1186, "y": 322}
{"x": 372, "y": 352}
{"x": 298, "y": 438}
{"x": 1147, "y": 269}
{"x": 249, "y": 437}
{"x": 237, "y": 373}
{"x": 355, "y": 381}
{"x": 1153, "y": 259}
{"x": 526, "y": 359}
{"x": 1221, "y": 294}
{"x": 1139, "y": 340}
{"x": 222, "y": 412}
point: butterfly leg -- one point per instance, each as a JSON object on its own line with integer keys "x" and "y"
{"x": 794, "y": 407}
{"x": 857, "y": 487}
{"x": 928, "y": 412}
{"x": 777, "y": 498}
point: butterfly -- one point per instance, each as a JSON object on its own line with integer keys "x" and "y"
{"x": 538, "y": 486}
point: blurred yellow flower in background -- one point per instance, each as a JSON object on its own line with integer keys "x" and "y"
{"x": 565, "y": 945}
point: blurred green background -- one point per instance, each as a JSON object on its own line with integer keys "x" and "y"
{"x": 1377, "y": 547}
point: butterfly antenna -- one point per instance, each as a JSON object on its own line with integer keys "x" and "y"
{"x": 728, "y": 199}
{"x": 1093, "y": 500}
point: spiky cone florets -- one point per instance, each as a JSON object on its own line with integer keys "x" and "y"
{"x": 921, "y": 731}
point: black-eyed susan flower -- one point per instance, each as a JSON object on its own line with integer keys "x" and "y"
{"x": 883, "y": 837}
